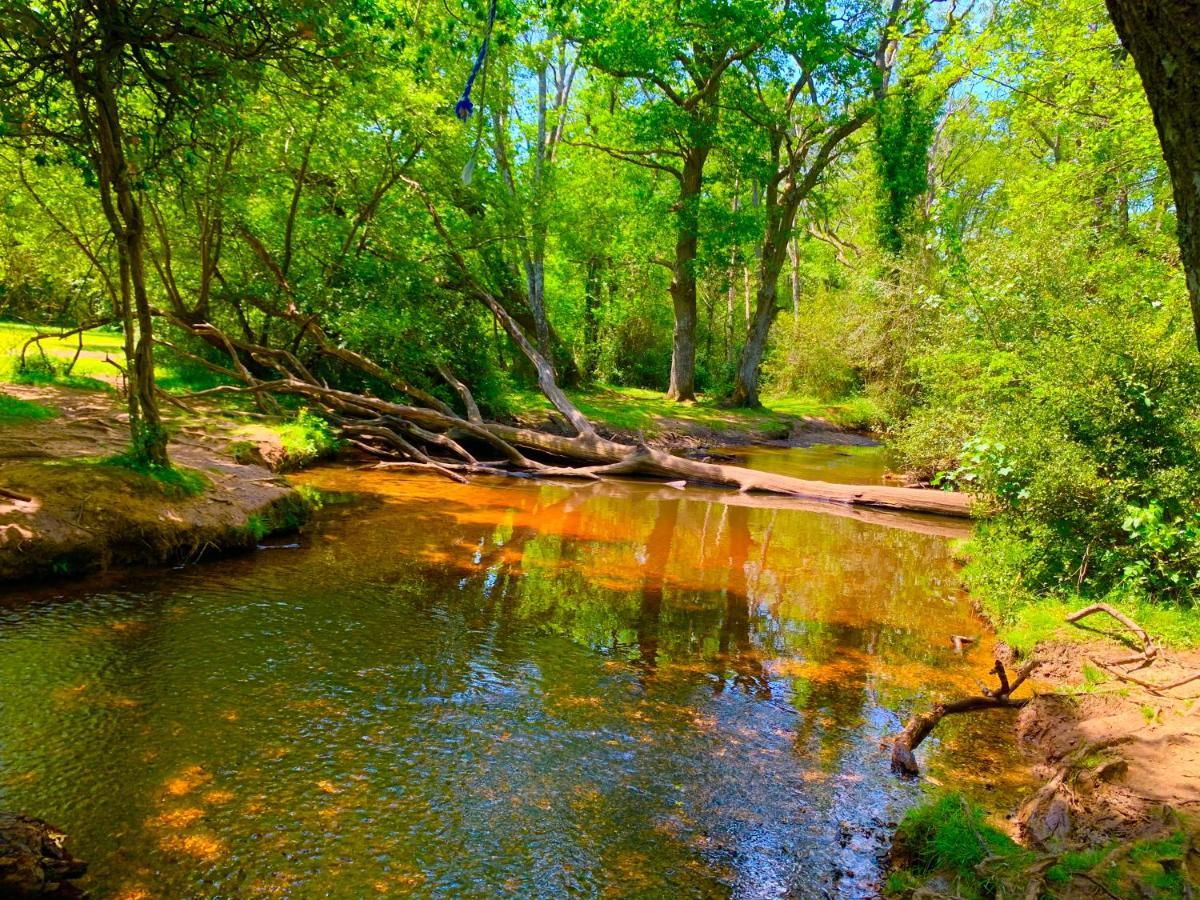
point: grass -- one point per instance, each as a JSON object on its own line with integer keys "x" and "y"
{"x": 177, "y": 481}
{"x": 91, "y": 371}
{"x": 1044, "y": 619}
{"x": 59, "y": 352}
{"x": 14, "y": 409}
{"x": 650, "y": 413}
{"x": 947, "y": 836}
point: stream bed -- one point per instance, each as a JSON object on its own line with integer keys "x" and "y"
{"x": 508, "y": 687}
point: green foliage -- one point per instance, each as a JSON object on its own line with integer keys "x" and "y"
{"x": 948, "y": 837}
{"x": 257, "y": 526}
{"x": 306, "y": 438}
{"x": 14, "y": 409}
{"x": 904, "y": 128}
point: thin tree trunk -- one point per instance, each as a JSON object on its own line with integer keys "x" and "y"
{"x": 683, "y": 284}
{"x": 592, "y": 286}
{"x": 794, "y": 257}
{"x": 125, "y": 218}
{"x": 1163, "y": 36}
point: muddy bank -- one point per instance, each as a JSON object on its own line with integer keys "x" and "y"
{"x": 1113, "y": 753}
{"x": 1112, "y": 736}
{"x": 65, "y": 512}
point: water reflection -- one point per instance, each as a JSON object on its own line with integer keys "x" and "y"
{"x": 504, "y": 687}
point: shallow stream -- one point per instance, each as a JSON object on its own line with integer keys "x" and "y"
{"x": 512, "y": 687}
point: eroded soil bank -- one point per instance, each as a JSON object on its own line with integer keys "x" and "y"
{"x": 1113, "y": 737}
{"x": 64, "y": 511}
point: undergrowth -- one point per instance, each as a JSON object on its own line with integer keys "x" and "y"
{"x": 306, "y": 439}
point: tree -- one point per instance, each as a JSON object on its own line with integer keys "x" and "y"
{"x": 1163, "y": 37}
{"x": 530, "y": 192}
{"x": 835, "y": 74}
{"x": 103, "y": 83}
{"x": 677, "y": 62}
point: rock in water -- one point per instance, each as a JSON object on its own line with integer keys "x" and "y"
{"x": 33, "y": 860}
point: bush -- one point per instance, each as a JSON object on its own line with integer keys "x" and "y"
{"x": 306, "y": 439}
{"x": 1085, "y": 445}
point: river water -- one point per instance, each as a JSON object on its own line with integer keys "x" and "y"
{"x": 512, "y": 687}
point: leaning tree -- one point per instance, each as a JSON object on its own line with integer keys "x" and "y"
{"x": 1163, "y": 36}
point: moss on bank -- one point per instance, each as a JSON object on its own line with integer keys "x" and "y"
{"x": 86, "y": 515}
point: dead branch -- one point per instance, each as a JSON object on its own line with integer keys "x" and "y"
{"x": 920, "y": 726}
{"x": 63, "y": 333}
{"x": 1151, "y": 686}
{"x": 1149, "y": 650}
{"x": 1149, "y": 653}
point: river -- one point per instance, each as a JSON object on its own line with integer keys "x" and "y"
{"x": 509, "y": 687}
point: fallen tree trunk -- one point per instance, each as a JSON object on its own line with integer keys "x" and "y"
{"x": 428, "y": 433}
{"x": 367, "y": 420}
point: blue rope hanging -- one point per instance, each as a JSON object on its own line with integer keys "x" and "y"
{"x": 463, "y": 108}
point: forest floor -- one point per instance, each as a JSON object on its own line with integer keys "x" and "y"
{"x": 69, "y": 505}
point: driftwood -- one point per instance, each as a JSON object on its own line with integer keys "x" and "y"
{"x": 1148, "y": 655}
{"x": 919, "y": 727}
{"x": 33, "y": 859}
{"x": 427, "y": 433}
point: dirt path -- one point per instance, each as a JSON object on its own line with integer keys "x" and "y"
{"x": 64, "y": 514}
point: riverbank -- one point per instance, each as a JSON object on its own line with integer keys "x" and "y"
{"x": 1111, "y": 735}
{"x": 69, "y": 507}
{"x": 637, "y": 414}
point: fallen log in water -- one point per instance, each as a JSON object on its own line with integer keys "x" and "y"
{"x": 430, "y": 434}
{"x": 919, "y": 727}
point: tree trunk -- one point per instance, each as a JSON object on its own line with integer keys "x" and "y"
{"x": 127, "y": 223}
{"x": 794, "y": 256}
{"x": 771, "y": 256}
{"x": 1163, "y": 36}
{"x": 683, "y": 283}
{"x": 592, "y": 286}
{"x": 745, "y": 388}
